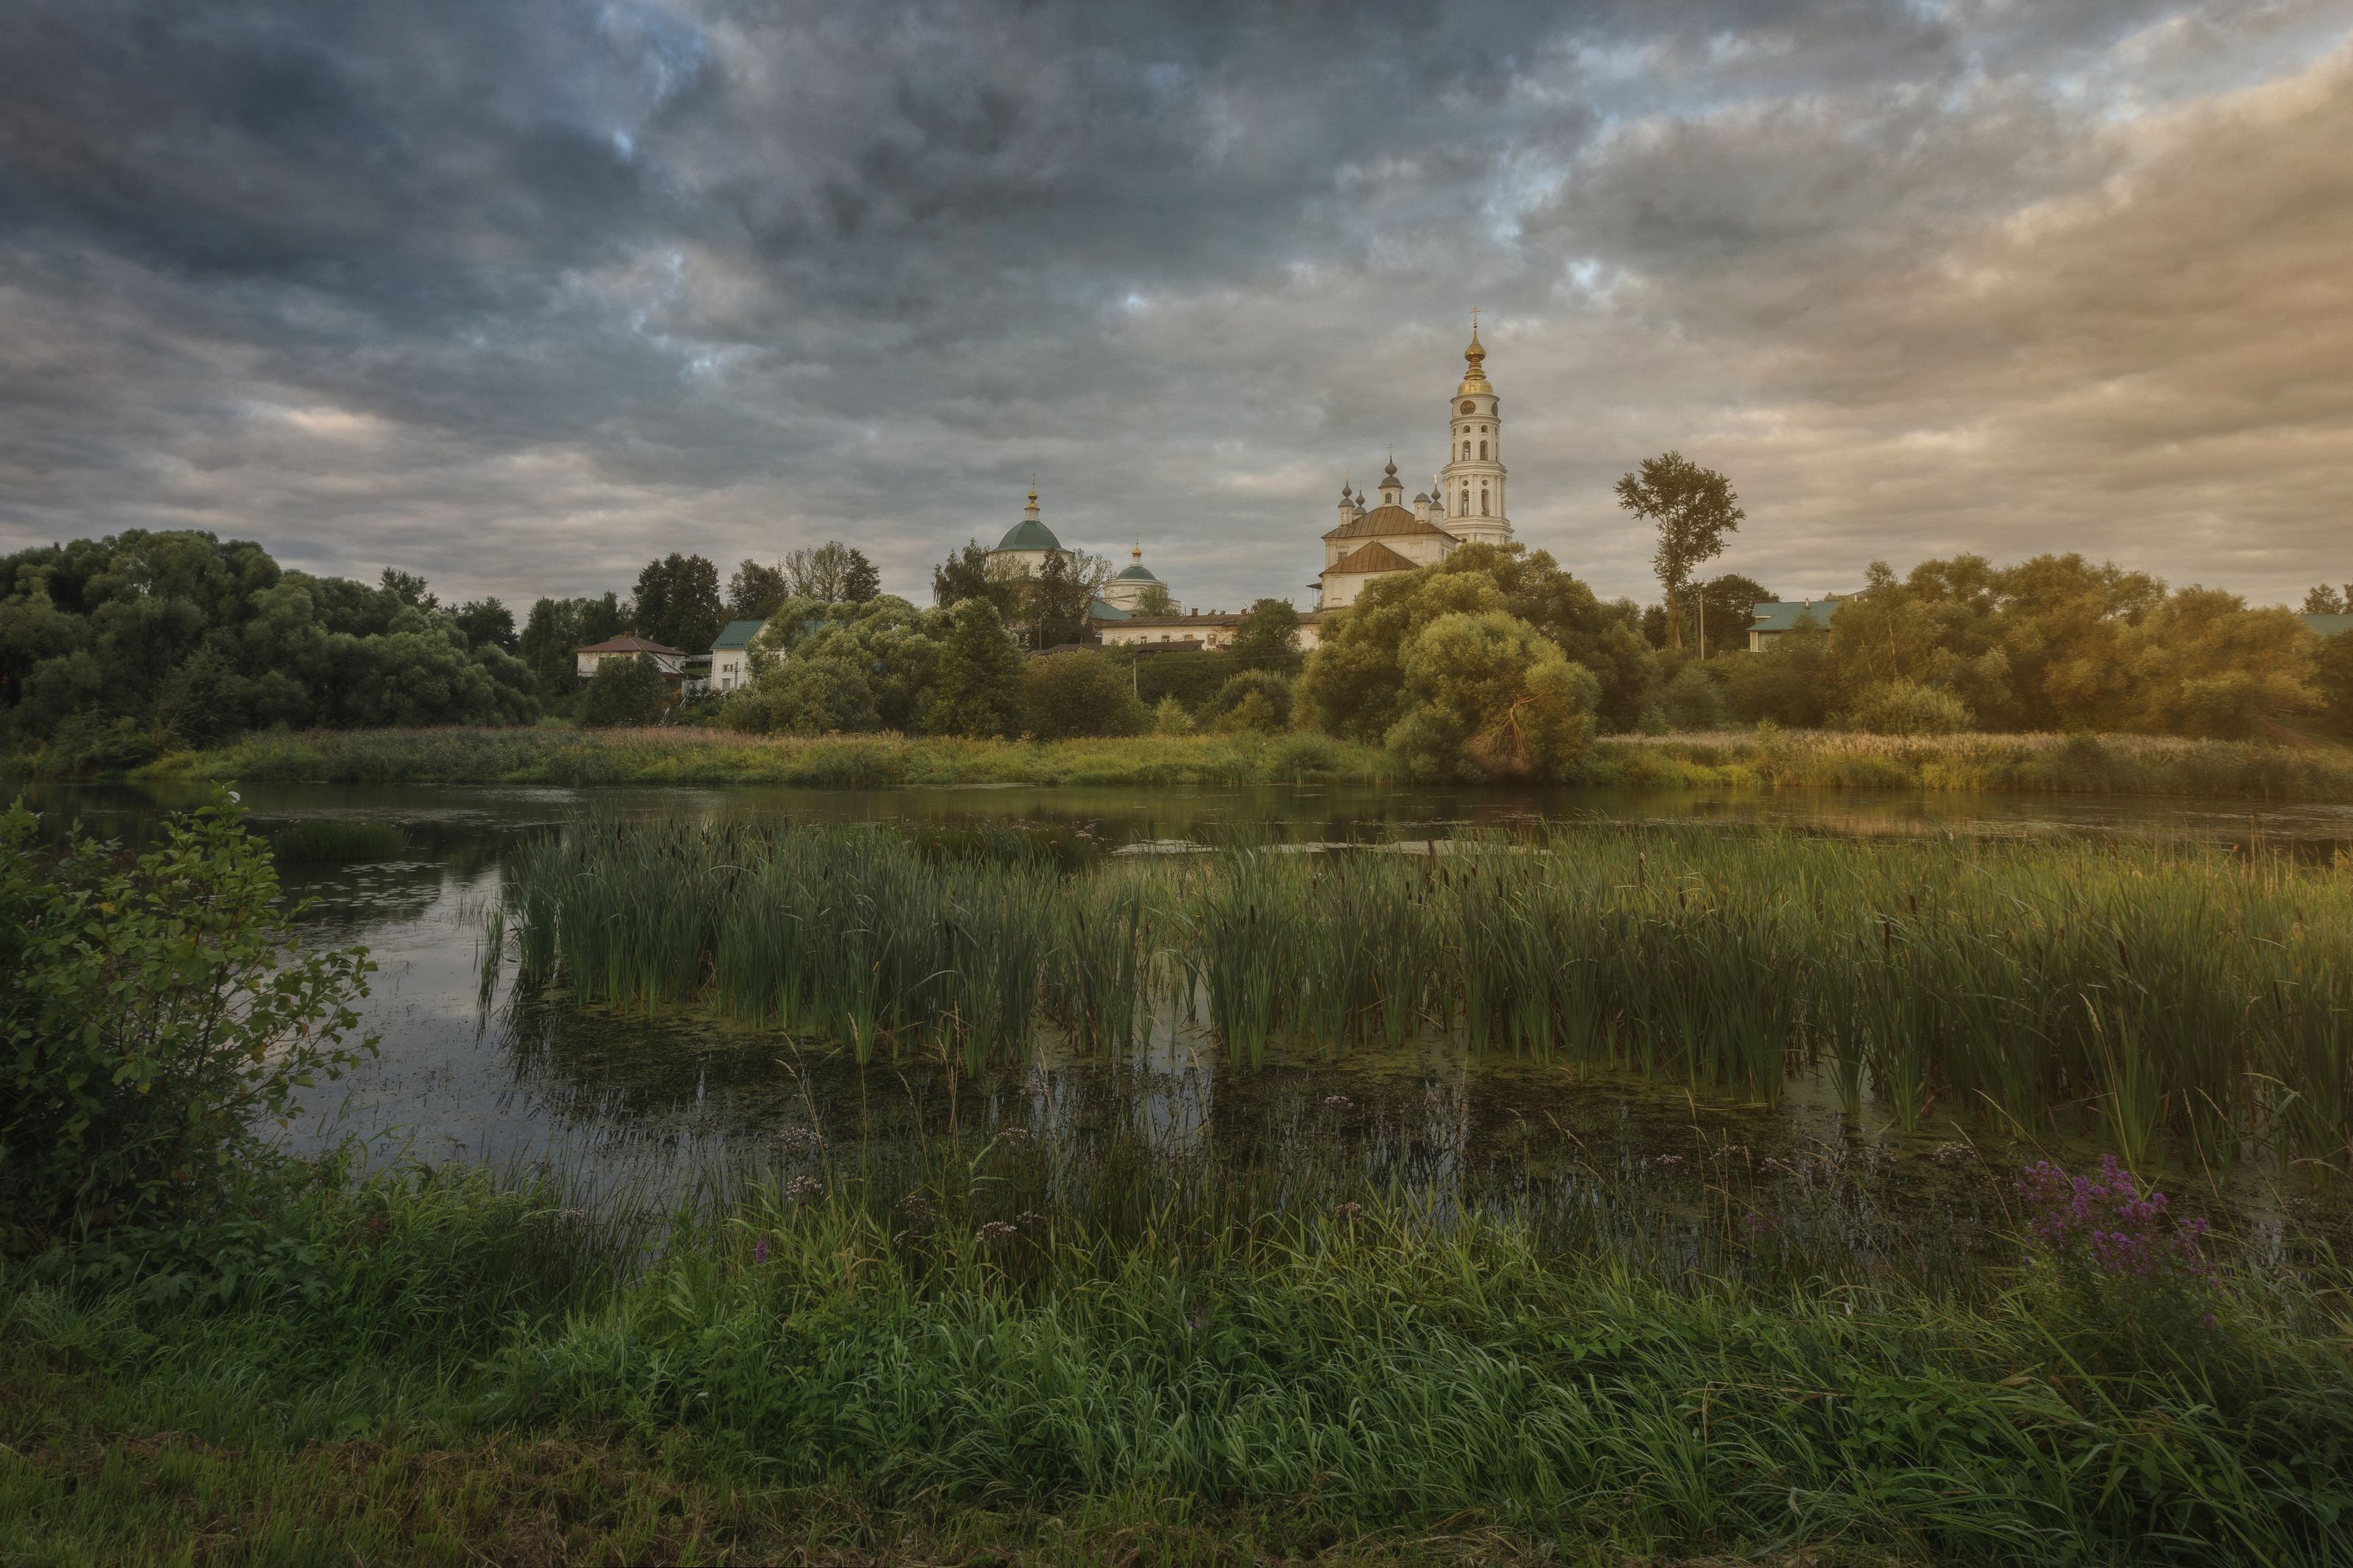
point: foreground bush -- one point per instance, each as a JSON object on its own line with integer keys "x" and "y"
{"x": 151, "y": 1010}
{"x": 1908, "y": 708}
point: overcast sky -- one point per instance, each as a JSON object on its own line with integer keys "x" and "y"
{"x": 515, "y": 293}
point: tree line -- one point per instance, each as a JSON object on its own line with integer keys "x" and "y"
{"x": 1494, "y": 662}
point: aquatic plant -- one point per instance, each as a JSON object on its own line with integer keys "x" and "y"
{"x": 2145, "y": 992}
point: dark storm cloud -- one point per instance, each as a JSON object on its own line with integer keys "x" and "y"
{"x": 519, "y": 294}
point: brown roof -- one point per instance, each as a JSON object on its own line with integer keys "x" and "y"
{"x": 1372, "y": 557}
{"x": 1385, "y": 519}
{"x": 631, "y": 645}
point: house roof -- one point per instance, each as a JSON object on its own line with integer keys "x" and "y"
{"x": 1027, "y": 534}
{"x": 1384, "y": 521}
{"x": 2328, "y": 625}
{"x": 631, "y": 645}
{"x": 735, "y": 635}
{"x": 1781, "y": 615}
{"x": 1372, "y": 557}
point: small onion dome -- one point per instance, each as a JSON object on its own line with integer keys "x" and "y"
{"x": 1343, "y": 489}
{"x": 1421, "y": 497}
{"x": 1139, "y": 572}
{"x": 1391, "y": 470}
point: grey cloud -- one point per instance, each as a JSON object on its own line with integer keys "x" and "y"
{"x": 519, "y": 294}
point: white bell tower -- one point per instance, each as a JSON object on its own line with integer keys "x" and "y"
{"x": 1470, "y": 486}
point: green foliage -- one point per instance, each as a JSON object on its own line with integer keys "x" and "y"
{"x": 1693, "y": 508}
{"x": 488, "y": 622}
{"x": 677, "y": 602}
{"x": 1727, "y": 605}
{"x": 333, "y": 840}
{"x": 1692, "y": 698}
{"x": 1908, "y": 708}
{"x": 1267, "y": 638}
{"x": 1078, "y": 693}
{"x": 557, "y": 629}
{"x": 1256, "y": 700}
{"x": 964, "y": 574}
{"x": 1490, "y": 698}
{"x": 2056, "y": 643}
{"x": 977, "y": 688}
{"x": 179, "y": 639}
{"x": 1169, "y": 718}
{"x": 1154, "y": 599}
{"x": 630, "y": 690}
{"x": 1789, "y": 683}
{"x": 1192, "y": 678}
{"x": 1353, "y": 685}
{"x": 150, "y": 1012}
{"x": 755, "y": 592}
{"x": 2332, "y": 678}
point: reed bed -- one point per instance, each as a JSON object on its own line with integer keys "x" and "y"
{"x": 2145, "y": 994}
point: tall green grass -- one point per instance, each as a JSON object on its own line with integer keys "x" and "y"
{"x": 2142, "y": 992}
{"x": 1367, "y": 1366}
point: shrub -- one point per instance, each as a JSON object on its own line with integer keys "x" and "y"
{"x": 1909, "y": 707}
{"x": 1255, "y": 701}
{"x": 1693, "y": 700}
{"x": 151, "y": 1011}
{"x": 1070, "y": 694}
{"x": 1170, "y": 718}
{"x": 623, "y": 691}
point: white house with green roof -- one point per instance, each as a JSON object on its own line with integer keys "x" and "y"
{"x": 1769, "y": 620}
{"x": 730, "y": 656}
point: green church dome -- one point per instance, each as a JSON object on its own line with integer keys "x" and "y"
{"x": 1029, "y": 534}
{"x": 1139, "y": 572}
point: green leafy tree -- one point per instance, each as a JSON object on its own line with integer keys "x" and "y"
{"x": 755, "y": 592}
{"x": 1267, "y": 638}
{"x": 1489, "y": 697}
{"x": 1726, "y": 608}
{"x": 964, "y": 574}
{"x": 156, "y": 1016}
{"x": 488, "y": 623}
{"x": 1354, "y": 684}
{"x": 623, "y": 691}
{"x": 977, "y": 689}
{"x": 1692, "y": 700}
{"x": 1079, "y": 692}
{"x": 1693, "y": 508}
{"x": 2320, "y": 599}
{"x": 1154, "y": 599}
{"x": 678, "y": 604}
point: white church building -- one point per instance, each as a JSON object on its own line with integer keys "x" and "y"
{"x": 1464, "y": 506}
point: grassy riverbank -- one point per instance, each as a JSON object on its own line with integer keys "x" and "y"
{"x": 1011, "y": 1359}
{"x": 1742, "y": 761}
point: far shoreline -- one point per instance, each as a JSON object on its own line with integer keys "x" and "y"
{"x": 1759, "y": 761}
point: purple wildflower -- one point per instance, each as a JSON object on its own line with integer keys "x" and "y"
{"x": 2107, "y": 1222}
{"x": 759, "y": 1252}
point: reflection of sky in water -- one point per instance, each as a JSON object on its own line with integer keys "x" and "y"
{"x": 605, "y": 1094}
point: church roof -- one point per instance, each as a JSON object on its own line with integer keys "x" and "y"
{"x": 1139, "y": 572}
{"x": 1382, "y": 521}
{"x": 1372, "y": 557}
{"x": 1104, "y": 610}
{"x": 1027, "y": 534}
